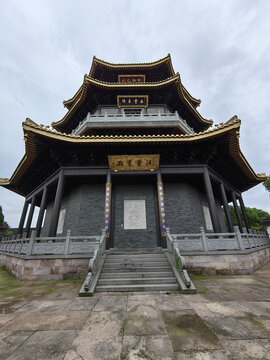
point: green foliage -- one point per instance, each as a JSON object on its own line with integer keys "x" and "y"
{"x": 1, "y": 217}
{"x": 267, "y": 184}
{"x": 255, "y": 216}
{"x": 4, "y": 227}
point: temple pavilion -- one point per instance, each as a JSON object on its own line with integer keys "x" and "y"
{"x": 132, "y": 155}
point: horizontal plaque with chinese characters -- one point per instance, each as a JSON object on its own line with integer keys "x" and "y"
{"x": 133, "y": 162}
{"x": 131, "y": 78}
{"x": 132, "y": 101}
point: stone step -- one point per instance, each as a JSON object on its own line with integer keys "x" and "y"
{"x": 135, "y": 264}
{"x": 119, "y": 275}
{"x": 130, "y": 251}
{"x": 145, "y": 287}
{"x": 139, "y": 269}
{"x": 137, "y": 281}
{"x": 135, "y": 260}
{"x": 144, "y": 257}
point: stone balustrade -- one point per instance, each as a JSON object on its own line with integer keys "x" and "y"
{"x": 67, "y": 246}
{"x": 221, "y": 242}
{"x": 132, "y": 120}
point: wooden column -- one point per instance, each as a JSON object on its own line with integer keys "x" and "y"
{"x": 30, "y": 216}
{"x": 57, "y": 205}
{"x": 41, "y": 211}
{"x": 237, "y": 212}
{"x": 226, "y": 208}
{"x": 211, "y": 201}
{"x": 244, "y": 213}
{"x": 20, "y": 227}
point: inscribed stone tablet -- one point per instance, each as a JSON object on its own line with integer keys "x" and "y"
{"x": 61, "y": 221}
{"x": 207, "y": 218}
{"x": 134, "y": 215}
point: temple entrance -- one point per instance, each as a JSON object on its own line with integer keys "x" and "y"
{"x": 134, "y": 217}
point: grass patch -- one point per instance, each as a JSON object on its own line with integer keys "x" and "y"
{"x": 200, "y": 277}
{"x": 13, "y": 291}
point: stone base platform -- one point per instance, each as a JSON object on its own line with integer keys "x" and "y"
{"x": 232, "y": 264}
{"x": 43, "y": 269}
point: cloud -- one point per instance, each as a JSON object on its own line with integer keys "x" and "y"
{"x": 221, "y": 50}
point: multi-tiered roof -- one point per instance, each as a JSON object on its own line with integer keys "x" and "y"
{"x": 48, "y": 150}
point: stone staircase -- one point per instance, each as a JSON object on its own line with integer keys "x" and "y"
{"x": 137, "y": 270}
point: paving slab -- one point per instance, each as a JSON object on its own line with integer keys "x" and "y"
{"x": 188, "y": 331}
{"x": 45, "y": 345}
{"x": 11, "y": 340}
{"x": 144, "y": 319}
{"x": 82, "y": 303}
{"x": 111, "y": 303}
{"x": 259, "y": 308}
{"x": 64, "y": 320}
{"x": 100, "y": 338}
{"x": 5, "y": 318}
{"x": 213, "y": 309}
{"x": 247, "y": 349}
{"x": 231, "y": 328}
{"x": 44, "y": 306}
{"x": 147, "y": 347}
{"x": 168, "y": 302}
{"x": 202, "y": 355}
{"x": 132, "y": 302}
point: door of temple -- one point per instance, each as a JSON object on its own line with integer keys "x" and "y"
{"x": 134, "y": 216}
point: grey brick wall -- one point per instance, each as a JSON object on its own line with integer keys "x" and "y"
{"x": 183, "y": 206}
{"x": 84, "y": 211}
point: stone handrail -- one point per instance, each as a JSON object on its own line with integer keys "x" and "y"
{"x": 128, "y": 119}
{"x": 50, "y": 246}
{"x": 217, "y": 242}
{"x": 94, "y": 267}
{"x": 178, "y": 260}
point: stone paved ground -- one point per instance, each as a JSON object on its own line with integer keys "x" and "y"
{"x": 229, "y": 318}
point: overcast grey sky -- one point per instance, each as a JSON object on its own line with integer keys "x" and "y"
{"x": 220, "y": 48}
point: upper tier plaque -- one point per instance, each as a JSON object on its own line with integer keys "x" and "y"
{"x": 132, "y": 101}
{"x": 131, "y": 79}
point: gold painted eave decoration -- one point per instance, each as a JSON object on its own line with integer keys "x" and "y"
{"x": 150, "y": 65}
{"x": 31, "y": 130}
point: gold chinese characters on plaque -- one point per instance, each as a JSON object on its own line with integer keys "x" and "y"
{"x": 133, "y": 162}
{"x": 137, "y": 101}
{"x": 131, "y": 79}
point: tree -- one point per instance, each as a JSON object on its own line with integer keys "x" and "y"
{"x": 266, "y": 184}
{"x": 255, "y": 216}
{"x": 4, "y": 227}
